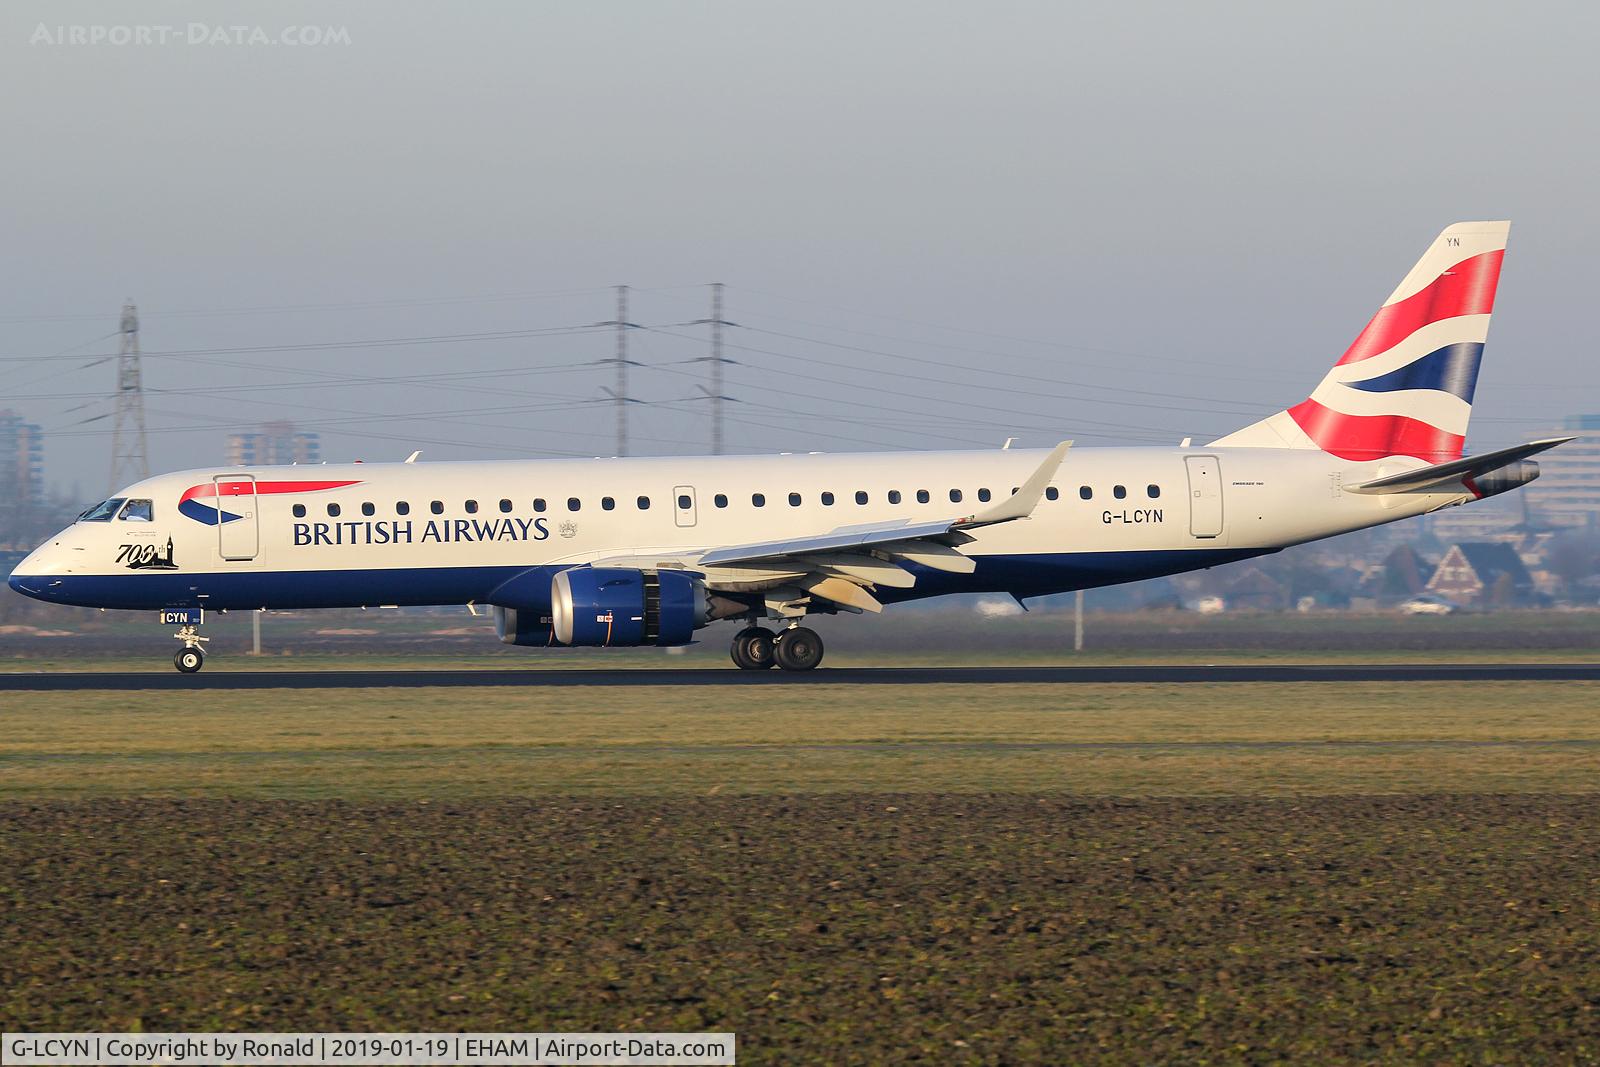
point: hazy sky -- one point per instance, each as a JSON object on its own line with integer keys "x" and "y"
{"x": 939, "y": 224}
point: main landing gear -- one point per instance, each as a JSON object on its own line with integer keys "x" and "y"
{"x": 795, "y": 649}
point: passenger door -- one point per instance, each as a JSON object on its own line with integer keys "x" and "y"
{"x": 238, "y": 529}
{"x": 1205, "y": 496}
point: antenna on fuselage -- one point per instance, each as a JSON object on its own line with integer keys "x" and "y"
{"x": 413, "y": 457}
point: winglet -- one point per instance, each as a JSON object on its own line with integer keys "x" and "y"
{"x": 1021, "y": 503}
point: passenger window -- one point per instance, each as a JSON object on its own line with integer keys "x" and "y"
{"x": 721, "y": 500}
{"x": 955, "y": 496}
{"x": 1052, "y": 493}
{"x": 827, "y": 500}
{"x": 894, "y": 496}
{"x": 538, "y": 505}
{"x": 1154, "y": 491}
{"x": 607, "y": 503}
{"x": 299, "y": 511}
{"x": 333, "y": 510}
{"x": 402, "y": 508}
{"x": 983, "y": 495}
{"x": 437, "y": 507}
{"x": 368, "y": 509}
{"x": 922, "y": 496}
{"x": 758, "y": 499}
{"x": 574, "y": 504}
{"x": 137, "y": 511}
{"x": 472, "y": 507}
{"x": 1085, "y": 492}
{"x": 794, "y": 500}
{"x": 644, "y": 503}
{"x": 861, "y": 498}
{"x": 1120, "y": 492}
{"x": 685, "y": 502}
{"x": 505, "y": 507}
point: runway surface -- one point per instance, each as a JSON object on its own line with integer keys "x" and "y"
{"x": 1401, "y": 672}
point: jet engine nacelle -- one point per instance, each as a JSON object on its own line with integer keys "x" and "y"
{"x": 615, "y": 606}
{"x": 1504, "y": 479}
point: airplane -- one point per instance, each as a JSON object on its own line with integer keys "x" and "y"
{"x": 625, "y": 552}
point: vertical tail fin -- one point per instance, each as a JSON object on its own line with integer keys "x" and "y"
{"x": 1404, "y": 387}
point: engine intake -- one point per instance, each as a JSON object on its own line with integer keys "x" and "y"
{"x": 620, "y": 607}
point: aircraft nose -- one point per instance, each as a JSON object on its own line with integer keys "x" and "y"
{"x": 33, "y": 576}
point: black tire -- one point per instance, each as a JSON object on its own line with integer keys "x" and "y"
{"x": 189, "y": 660}
{"x": 752, "y": 649}
{"x": 799, "y": 649}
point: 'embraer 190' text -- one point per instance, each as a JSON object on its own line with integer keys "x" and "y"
{"x": 442, "y": 531}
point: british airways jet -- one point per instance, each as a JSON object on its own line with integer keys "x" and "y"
{"x": 631, "y": 552}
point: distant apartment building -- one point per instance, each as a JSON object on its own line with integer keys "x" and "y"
{"x": 21, "y": 461}
{"x": 273, "y": 443}
{"x": 1567, "y": 492}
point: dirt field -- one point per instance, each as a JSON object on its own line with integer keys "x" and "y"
{"x": 839, "y": 876}
{"x": 989, "y": 929}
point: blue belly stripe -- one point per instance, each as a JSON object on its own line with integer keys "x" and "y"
{"x": 1025, "y": 575}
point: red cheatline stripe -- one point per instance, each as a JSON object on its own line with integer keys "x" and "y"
{"x": 1466, "y": 289}
{"x": 1363, "y": 437}
{"x": 263, "y": 488}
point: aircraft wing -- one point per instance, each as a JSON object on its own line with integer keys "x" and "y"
{"x": 1018, "y": 506}
{"x": 1456, "y": 469}
{"x": 845, "y": 564}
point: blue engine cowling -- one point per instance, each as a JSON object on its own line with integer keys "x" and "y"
{"x": 619, "y": 607}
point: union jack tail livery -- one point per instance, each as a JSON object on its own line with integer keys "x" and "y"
{"x": 1404, "y": 387}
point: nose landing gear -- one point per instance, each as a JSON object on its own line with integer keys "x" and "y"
{"x": 190, "y": 659}
{"x": 192, "y": 656}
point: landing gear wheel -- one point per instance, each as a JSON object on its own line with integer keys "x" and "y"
{"x": 752, "y": 649}
{"x": 189, "y": 660}
{"x": 799, "y": 649}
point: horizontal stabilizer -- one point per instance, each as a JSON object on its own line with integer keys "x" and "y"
{"x": 1456, "y": 469}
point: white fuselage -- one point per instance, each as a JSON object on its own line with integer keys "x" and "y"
{"x": 443, "y": 533}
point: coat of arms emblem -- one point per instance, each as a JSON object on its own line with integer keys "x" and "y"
{"x": 569, "y": 529}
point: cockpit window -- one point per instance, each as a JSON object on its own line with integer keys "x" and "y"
{"x": 137, "y": 511}
{"x": 103, "y": 511}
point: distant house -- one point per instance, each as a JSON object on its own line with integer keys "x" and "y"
{"x": 1255, "y": 590}
{"x": 1482, "y": 573}
{"x": 1403, "y": 573}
